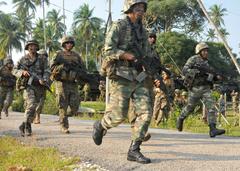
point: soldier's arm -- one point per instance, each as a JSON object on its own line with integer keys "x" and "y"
{"x": 111, "y": 49}
{"x": 17, "y": 70}
{"x": 188, "y": 66}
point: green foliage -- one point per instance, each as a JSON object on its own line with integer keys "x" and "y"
{"x": 50, "y": 106}
{"x": 215, "y": 95}
{"x": 18, "y": 103}
{"x": 166, "y": 15}
{"x": 175, "y": 45}
{"x": 13, "y": 153}
{"x": 98, "y": 106}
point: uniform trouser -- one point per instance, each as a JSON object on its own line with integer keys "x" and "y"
{"x": 40, "y": 105}
{"x": 6, "y": 97}
{"x": 32, "y": 96}
{"x": 195, "y": 95}
{"x": 160, "y": 109}
{"x": 67, "y": 95}
{"x": 122, "y": 91}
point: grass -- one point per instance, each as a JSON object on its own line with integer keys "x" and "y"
{"x": 98, "y": 106}
{"x": 13, "y": 153}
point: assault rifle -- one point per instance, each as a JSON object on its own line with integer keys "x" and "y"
{"x": 147, "y": 69}
{"x": 33, "y": 77}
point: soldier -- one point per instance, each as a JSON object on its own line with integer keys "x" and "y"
{"x": 42, "y": 54}
{"x": 65, "y": 67}
{"x": 184, "y": 97}
{"x": 86, "y": 90}
{"x": 122, "y": 68}
{"x": 234, "y": 101}
{"x": 178, "y": 99}
{"x": 7, "y": 85}
{"x": 102, "y": 89}
{"x": 33, "y": 74}
{"x": 199, "y": 83}
{"x": 162, "y": 104}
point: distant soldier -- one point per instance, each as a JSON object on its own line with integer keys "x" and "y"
{"x": 102, "y": 89}
{"x": 42, "y": 54}
{"x": 235, "y": 101}
{"x": 199, "y": 80}
{"x": 86, "y": 90}
{"x": 33, "y": 75}
{"x": 185, "y": 98}
{"x": 66, "y": 67}
{"x": 178, "y": 100}
{"x": 162, "y": 104}
{"x": 7, "y": 85}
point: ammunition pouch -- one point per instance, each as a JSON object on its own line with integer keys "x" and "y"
{"x": 189, "y": 79}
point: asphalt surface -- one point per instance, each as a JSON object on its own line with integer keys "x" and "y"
{"x": 168, "y": 149}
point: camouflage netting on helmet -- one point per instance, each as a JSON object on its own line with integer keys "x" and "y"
{"x": 128, "y": 4}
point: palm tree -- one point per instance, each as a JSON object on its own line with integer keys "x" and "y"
{"x": 10, "y": 36}
{"x": 211, "y": 36}
{"x": 86, "y": 24}
{"x": 24, "y": 7}
{"x": 217, "y": 13}
{"x": 55, "y": 19}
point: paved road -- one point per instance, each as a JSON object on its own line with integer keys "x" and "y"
{"x": 168, "y": 149}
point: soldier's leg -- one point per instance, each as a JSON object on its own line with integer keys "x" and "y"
{"x": 8, "y": 101}
{"x": 211, "y": 114}
{"x": 143, "y": 107}
{"x": 3, "y": 93}
{"x": 193, "y": 99}
{"x": 40, "y": 108}
{"x": 116, "y": 109}
{"x": 63, "y": 105}
{"x": 156, "y": 108}
{"x": 74, "y": 102}
{"x": 32, "y": 101}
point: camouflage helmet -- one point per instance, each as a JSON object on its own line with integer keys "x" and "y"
{"x": 66, "y": 39}
{"x": 177, "y": 91}
{"x": 128, "y": 4}
{"x": 200, "y": 46}
{"x": 184, "y": 93}
{"x": 42, "y": 52}
{"x": 30, "y": 42}
{"x": 7, "y": 60}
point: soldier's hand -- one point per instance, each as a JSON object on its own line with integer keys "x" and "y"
{"x": 157, "y": 83}
{"x": 42, "y": 82}
{"x": 127, "y": 56}
{"x": 25, "y": 73}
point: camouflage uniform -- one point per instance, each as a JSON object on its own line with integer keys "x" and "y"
{"x": 123, "y": 85}
{"x": 201, "y": 89}
{"x": 33, "y": 91}
{"x": 102, "y": 89}
{"x": 178, "y": 99}
{"x": 42, "y": 54}
{"x": 86, "y": 90}
{"x": 161, "y": 107}
{"x": 64, "y": 69}
{"x": 7, "y": 84}
{"x": 235, "y": 101}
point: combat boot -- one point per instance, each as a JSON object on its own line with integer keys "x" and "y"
{"x": 22, "y": 129}
{"x": 214, "y": 131}
{"x": 179, "y": 124}
{"x": 98, "y": 132}
{"x": 134, "y": 153}
{"x": 37, "y": 119}
{"x": 5, "y": 111}
{"x": 28, "y": 129}
{"x": 147, "y": 137}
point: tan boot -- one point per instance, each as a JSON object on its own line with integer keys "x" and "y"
{"x": 65, "y": 130}
{"x": 37, "y": 119}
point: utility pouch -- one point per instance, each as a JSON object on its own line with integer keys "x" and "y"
{"x": 141, "y": 76}
{"x": 124, "y": 72}
{"x": 188, "y": 79}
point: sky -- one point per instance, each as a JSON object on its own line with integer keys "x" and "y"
{"x": 101, "y": 10}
